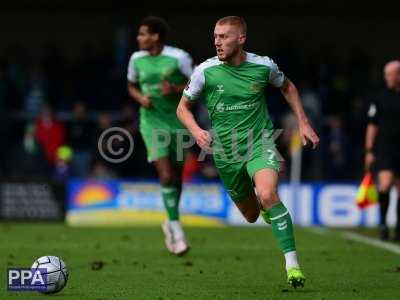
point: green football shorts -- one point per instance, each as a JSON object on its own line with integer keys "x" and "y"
{"x": 237, "y": 176}
{"x": 162, "y": 143}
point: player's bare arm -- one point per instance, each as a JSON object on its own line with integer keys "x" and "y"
{"x": 371, "y": 134}
{"x": 203, "y": 137}
{"x": 135, "y": 93}
{"x": 291, "y": 94}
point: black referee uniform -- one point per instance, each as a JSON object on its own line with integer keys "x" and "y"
{"x": 384, "y": 112}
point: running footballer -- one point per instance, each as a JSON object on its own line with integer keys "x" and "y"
{"x": 157, "y": 75}
{"x": 232, "y": 85}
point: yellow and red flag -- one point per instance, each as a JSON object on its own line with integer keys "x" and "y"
{"x": 367, "y": 193}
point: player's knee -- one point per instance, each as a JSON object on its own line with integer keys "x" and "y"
{"x": 386, "y": 179}
{"x": 268, "y": 197}
{"x": 251, "y": 215}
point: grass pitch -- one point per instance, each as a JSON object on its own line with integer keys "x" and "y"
{"x": 224, "y": 263}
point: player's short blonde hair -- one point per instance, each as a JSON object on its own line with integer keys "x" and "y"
{"x": 234, "y": 20}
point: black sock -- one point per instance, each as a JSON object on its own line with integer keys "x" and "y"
{"x": 384, "y": 205}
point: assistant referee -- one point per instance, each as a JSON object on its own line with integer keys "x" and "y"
{"x": 382, "y": 144}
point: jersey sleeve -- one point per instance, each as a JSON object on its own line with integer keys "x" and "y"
{"x": 276, "y": 76}
{"x": 132, "y": 73}
{"x": 186, "y": 65}
{"x": 195, "y": 86}
{"x": 373, "y": 112}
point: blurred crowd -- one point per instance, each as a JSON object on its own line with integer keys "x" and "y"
{"x": 54, "y": 108}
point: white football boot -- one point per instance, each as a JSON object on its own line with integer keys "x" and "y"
{"x": 175, "y": 240}
{"x": 181, "y": 247}
{"x": 169, "y": 241}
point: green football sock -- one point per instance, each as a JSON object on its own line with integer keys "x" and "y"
{"x": 264, "y": 212}
{"x": 282, "y": 227}
{"x": 171, "y": 196}
{"x": 265, "y": 215}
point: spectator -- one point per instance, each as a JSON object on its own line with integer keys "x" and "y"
{"x": 28, "y": 158}
{"x": 312, "y": 106}
{"x": 8, "y": 99}
{"x": 62, "y": 169}
{"x": 129, "y": 118}
{"x": 337, "y": 149}
{"x": 80, "y": 139}
{"x": 102, "y": 172}
{"x": 36, "y": 93}
{"x": 101, "y": 164}
{"x": 49, "y": 133}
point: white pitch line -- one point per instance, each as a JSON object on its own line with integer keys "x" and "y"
{"x": 359, "y": 238}
{"x": 318, "y": 230}
{"x": 372, "y": 242}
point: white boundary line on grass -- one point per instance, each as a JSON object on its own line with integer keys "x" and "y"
{"x": 360, "y": 238}
{"x": 318, "y": 230}
{"x": 372, "y": 242}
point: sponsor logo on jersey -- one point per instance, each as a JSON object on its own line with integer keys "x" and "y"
{"x": 220, "y": 88}
{"x": 222, "y": 107}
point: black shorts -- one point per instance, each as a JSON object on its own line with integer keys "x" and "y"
{"x": 388, "y": 158}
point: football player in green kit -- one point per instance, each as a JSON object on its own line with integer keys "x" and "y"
{"x": 232, "y": 85}
{"x": 157, "y": 75}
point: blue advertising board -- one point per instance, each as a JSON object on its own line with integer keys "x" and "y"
{"x": 115, "y": 202}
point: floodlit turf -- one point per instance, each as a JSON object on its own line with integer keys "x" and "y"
{"x": 225, "y": 263}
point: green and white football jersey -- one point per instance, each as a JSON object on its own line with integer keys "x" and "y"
{"x": 235, "y": 100}
{"x": 173, "y": 65}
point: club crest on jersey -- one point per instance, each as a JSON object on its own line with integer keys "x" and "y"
{"x": 255, "y": 87}
{"x": 166, "y": 73}
{"x": 220, "y": 88}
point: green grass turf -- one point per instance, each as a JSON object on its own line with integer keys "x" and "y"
{"x": 225, "y": 263}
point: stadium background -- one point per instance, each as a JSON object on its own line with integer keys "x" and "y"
{"x": 66, "y": 62}
{"x": 64, "y": 52}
